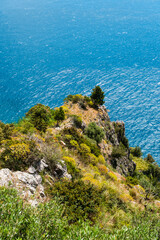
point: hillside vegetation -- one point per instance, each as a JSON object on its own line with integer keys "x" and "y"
{"x": 69, "y": 173}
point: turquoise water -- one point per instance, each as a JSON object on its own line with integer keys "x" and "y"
{"x": 52, "y": 48}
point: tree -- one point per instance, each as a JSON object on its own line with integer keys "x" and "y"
{"x": 39, "y": 116}
{"x": 97, "y": 96}
{"x": 136, "y": 151}
{"x": 149, "y": 158}
{"x": 59, "y": 115}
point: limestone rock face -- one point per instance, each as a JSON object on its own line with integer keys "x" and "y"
{"x": 123, "y": 165}
{"x": 28, "y": 184}
{"x": 103, "y": 114}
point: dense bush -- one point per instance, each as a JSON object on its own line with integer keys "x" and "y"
{"x": 94, "y": 132}
{"x": 19, "y": 156}
{"x": 74, "y": 98}
{"x": 132, "y": 180}
{"x": 118, "y": 151}
{"x": 77, "y": 121}
{"x": 82, "y": 200}
{"x": 136, "y": 151}
{"x": 39, "y": 116}
{"x": 25, "y": 126}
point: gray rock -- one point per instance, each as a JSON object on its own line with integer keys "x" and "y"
{"x": 60, "y": 171}
{"x": 41, "y": 165}
{"x": 27, "y": 178}
{"x": 5, "y": 177}
{"x": 31, "y": 170}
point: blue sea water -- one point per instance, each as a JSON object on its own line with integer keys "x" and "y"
{"x": 52, "y": 48}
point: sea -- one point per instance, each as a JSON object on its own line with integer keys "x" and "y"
{"x": 52, "y": 48}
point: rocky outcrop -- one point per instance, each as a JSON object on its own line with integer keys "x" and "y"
{"x": 29, "y": 185}
{"x": 103, "y": 114}
{"x": 123, "y": 165}
{"x": 60, "y": 171}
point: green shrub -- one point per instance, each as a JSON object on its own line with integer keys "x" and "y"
{"x": 84, "y": 149}
{"x": 132, "y": 180}
{"x": 39, "y": 116}
{"x": 94, "y": 132}
{"x": 74, "y": 98}
{"x": 136, "y": 151}
{"x": 19, "y": 156}
{"x": 25, "y": 126}
{"x": 93, "y": 146}
{"x": 75, "y": 135}
{"x": 82, "y": 201}
{"x": 74, "y": 144}
{"x": 52, "y": 154}
{"x": 71, "y": 167}
{"x": 118, "y": 151}
{"x": 77, "y": 121}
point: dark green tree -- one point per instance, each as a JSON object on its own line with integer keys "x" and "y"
{"x": 136, "y": 151}
{"x": 97, "y": 96}
{"x": 59, "y": 115}
{"x": 39, "y": 116}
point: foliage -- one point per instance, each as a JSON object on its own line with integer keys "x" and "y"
{"x": 132, "y": 180}
{"x": 112, "y": 176}
{"x": 84, "y": 149}
{"x": 91, "y": 159}
{"x": 59, "y": 115}
{"x": 101, "y": 159}
{"x": 18, "y": 156}
{"x": 94, "y": 132}
{"x": 47, "y": 221}
{"x": 93, "y": 146}
{"x": 141, "y": 165}
{"x": 39, "y": 116}
{"x": 52, "y": 154}
{"x": 71, "y": 134}
{"x": 97, "y": 96}
{"x": 149, "y": 158}
{"x": 74, "y": 144}
{"x": 136, "y": 152}
{"x": 73, "y": 98}
{"x": 77, "y": 121}
{"x": 71, "y": 167}
{"x": 25, "y": 126}
{"x": 118, "y": 151}
{"x": 82, "y": 200}
{"x": 120, "y": 131}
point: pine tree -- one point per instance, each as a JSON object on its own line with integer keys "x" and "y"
{"x": 97, "y": 96}
{"x": 59, "y": 115}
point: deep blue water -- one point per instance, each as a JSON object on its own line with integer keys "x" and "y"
{"x": 52, "y": 48}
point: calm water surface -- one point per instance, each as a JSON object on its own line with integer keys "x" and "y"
{"x": 52, "y": 48}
